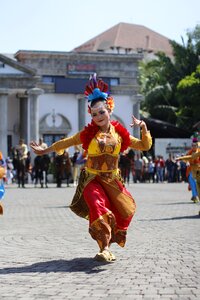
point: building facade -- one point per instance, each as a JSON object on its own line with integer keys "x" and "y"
{"x": 42, "y": 93}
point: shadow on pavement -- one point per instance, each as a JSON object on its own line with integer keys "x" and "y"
{"x": 176, "y": 203}
{"x": 171, "y": 219}
{"x": 87, "y": 265}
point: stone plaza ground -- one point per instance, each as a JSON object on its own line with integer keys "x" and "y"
{"x": 47, "y": 253}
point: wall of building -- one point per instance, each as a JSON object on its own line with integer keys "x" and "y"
{"x": 176, "y": 147}
{"x": 51, "y": 66}
{"x": 67, "y": 105}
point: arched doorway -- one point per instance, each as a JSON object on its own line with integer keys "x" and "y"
{"x": 54, "y": 126}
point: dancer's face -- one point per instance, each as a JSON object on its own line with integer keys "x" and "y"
{"x": 100, "y": 114}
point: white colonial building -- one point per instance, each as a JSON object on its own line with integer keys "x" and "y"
{"x": 42, "y": 92}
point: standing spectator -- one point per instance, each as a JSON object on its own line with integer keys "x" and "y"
{"x": 42, "y": 143}
{"x": 67, "y": 167}
{"x": 10, "y": 169}
{"x": 160, "y": 167}
{"x": 133, "y": 166}
{"x": 58, "y": 161}
{"x": 41, "y": 166}
{"x": 37, "y": 171}
{"x": 81, "y": 160}
{"x": 45, "y": 162}
{"x": 170, "y": 168}
{"x": 145, "y": 168}
{"x": 15, "y": 163}
{"x": 139, "y": 166}
{"x": 21, "y": 156}
{"x": 75, "y": 167}
{"x": 177, "y": 171}
{"x": 151, "y": 170}
{"x": 63, "y": 168}
{"x": 125, "y": 166}
{"x": 78, "y": 162}
{"x": 29, "y": 168}
{"x": 130, "y": 155}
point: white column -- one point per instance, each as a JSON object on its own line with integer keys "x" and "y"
{"x": 33, "y": 111}
{"x": 136, "y": 112}
{"x": 3, "y": 121}
{"x": 81, "y": 112}
{"x": 23, "y": 107}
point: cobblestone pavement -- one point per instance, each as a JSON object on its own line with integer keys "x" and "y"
{"x": 47, "y": 253}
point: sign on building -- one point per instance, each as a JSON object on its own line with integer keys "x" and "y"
{"x": 175, "y": 147}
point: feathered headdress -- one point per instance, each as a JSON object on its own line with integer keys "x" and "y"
{"x": 98, "y": 89}
{"x": 195, "y": 140}
{"x": 195, "y": 137}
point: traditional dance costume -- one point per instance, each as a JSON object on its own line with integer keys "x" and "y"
{"x": 101, "y": 195}
{"x": 194, "y": 160}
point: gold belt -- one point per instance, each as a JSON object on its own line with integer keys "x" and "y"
{"x": 102, "y": 163}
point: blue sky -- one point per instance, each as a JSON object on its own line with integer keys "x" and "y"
{"x": 61, "y": 25}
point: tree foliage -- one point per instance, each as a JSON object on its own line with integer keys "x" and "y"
{"x": 171, "y": 86}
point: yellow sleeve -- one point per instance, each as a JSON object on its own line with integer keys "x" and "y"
{"x": 196, "y": 155}
{"x": 189, "y": 157}
{"x": 61, "y": 145}
{"x": 144, "y": 144}
{"x": 185, "y": 158}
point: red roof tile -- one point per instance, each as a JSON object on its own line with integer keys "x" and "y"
{"x": 127, "y": 36}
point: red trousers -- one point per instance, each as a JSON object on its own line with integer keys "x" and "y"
{"x": 111, "y": 208}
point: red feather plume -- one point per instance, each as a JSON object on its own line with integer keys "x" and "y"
{"x": 91, "y": 130}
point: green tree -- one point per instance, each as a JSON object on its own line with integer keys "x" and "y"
{"x": 156, "y": 85}
{"x": 159, "y": 79}
{"x": 188, "y": 93}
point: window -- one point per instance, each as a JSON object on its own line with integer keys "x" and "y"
{"x": 47, "y": 79}
{"x": 50, "y": 79}
{"x": 114, "y": 81}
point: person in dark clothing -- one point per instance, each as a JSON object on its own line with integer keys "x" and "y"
{"x": 125, "y": 165}
{"x": 170, "y": 168}
{"x": 45, "y": 162}
{"x": 21, "y": 157}
{"x": 38, "y": 170}
{"x": 63, "y": 168}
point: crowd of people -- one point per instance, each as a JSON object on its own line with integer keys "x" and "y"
{"x": 134, "y": 167}
{"x": 138, "y": 168}
{"x": 23, "y": 168}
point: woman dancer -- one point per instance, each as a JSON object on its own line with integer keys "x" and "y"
{"x": 101, "y": 196}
